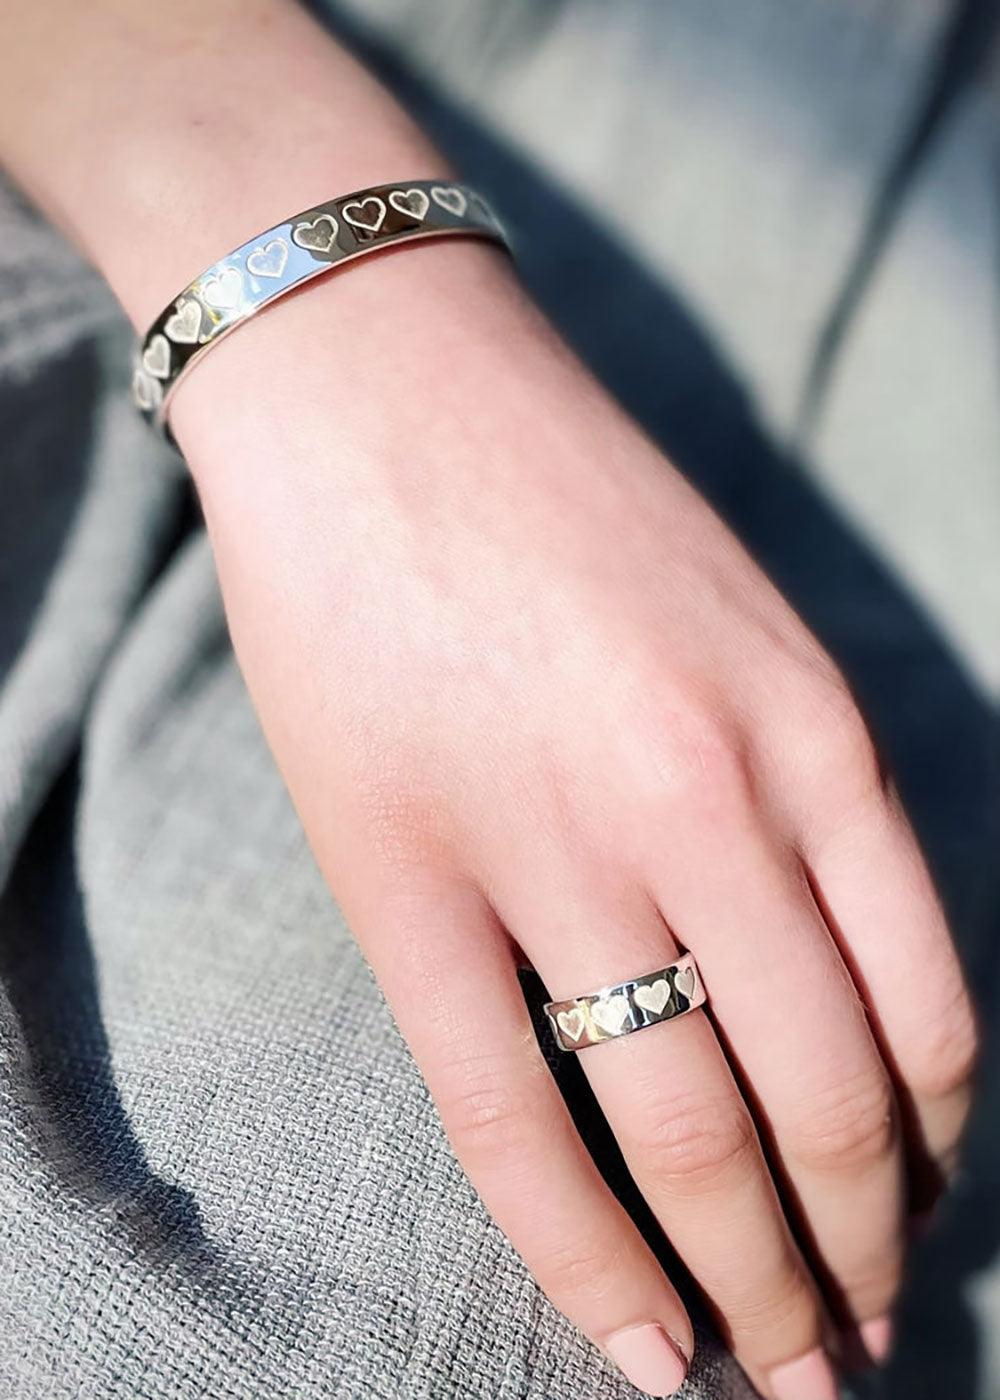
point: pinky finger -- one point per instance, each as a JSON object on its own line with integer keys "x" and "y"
{"x": 878, "y": 898}
{"x": 515, "y": 1137}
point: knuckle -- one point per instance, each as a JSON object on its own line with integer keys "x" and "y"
{"x": 690, "y": 1149}
{"x": 835, "y": 745}
{"x": 485, "y": 1113}
{"x": 700, "y": 760}
{"x": 850, "y": 1125}
{"x": 949, "y": 1051}
{"x": 579, "y": 1264}
{"x": 787, "y": 1305}
{"x": 872, "y": 1281}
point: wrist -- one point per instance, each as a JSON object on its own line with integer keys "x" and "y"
{"x": 161, "y": 138}
{"x": 388, "y": 345}
{"x": 419, "y": 385}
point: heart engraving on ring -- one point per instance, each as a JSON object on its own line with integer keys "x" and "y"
{"x": 450, "y": 198}
{"x": 654, "y": 997}
{"x": 146, "y": 391}
{"x": 156, "y": 357}
{"x": 371, "y": 212}
{"x": 269, "y": 260}
{"x": 183, "y": 326}
{"x": 571, "y": 1023}
{"x": 479, "y": 206}
{"x": 223, "y": 292}
{"x": 412, "y": 202}
{"x": 684, "y": 982}
{"x": 317, "y": 237}
{"x": 610, "y": 1013}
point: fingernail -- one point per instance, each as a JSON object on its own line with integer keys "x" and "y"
{"x": 877, "y": 1337}
{"x": 649, "y": 1358}
{"x": 808, "y": 1377}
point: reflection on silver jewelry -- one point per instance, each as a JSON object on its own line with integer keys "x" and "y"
{"x": 627, "y": 1006}
{"x": 283, "y": 257}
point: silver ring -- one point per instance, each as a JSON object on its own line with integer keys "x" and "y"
{"x": 628, "y": 1006}
{"x": 282, "y": 258}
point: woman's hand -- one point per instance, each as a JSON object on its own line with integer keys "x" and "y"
{"x": 524, "y": 685}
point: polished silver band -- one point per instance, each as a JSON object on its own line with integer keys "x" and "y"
{"x": 273, "y": 263}
{"x": 628, "y": 1006}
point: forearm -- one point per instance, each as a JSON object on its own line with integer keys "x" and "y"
{"x": 158, "y": 137}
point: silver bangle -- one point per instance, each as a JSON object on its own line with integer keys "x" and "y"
{"x": 286, "y": 256}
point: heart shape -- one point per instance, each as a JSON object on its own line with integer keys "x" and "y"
{"x": 684, "y": 982}
{"x": 412, "y": 202}
{"x": 183, "y": 326}
{"x": 572, "y": 1023}
{"x": 371, "y": 212}
{"x": 146, "y": 391}
{"x": 156, "y": 357}
{"x": 269, "y": 260}
{"x": 318, "y": 236}
{"x": 610, "y": 1013}
{"x": 653, "y": 997}
{"x": 450, "y": 198}
{"x": 223, "y": 292}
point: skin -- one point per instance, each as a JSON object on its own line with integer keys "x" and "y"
{"x": 527, "y": 692}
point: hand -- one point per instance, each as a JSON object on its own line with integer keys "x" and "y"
{"x": 523, "y": 684}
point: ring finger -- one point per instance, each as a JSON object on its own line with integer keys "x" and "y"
{"x": 683, "y": 1127}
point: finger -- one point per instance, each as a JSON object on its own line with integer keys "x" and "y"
{"x": 684, "y": 1129}
{"x": 788, "y": 1009}
{"x": 449, "y": 973}
{"x": 880, "y": 901}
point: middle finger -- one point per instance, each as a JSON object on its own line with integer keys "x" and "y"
{"x": 795, "y": 1024}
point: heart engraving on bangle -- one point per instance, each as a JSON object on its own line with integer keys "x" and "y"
{"x": 572, "y": 1023}
{"x": 318, "y": 236}
{"x": 268, "y": 260}
{"x": 610, "y": 1013}
{"x": 156, "y": 357}
{"x": 450, "y": 198}
{"x": 412, "y": 202}
{"x": 654, "y": 997}
{"x": 183, "y": 326}
{"x": 684, "y": 981}
{"x": 369, "y": 216}
{"x": 223, "y": 292}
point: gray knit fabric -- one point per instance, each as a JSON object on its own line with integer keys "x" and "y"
{"x": 220, "y": 1173}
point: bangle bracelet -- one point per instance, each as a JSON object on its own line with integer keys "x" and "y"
{"x": 286, "y": 256}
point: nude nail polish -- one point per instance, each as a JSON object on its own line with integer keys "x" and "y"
{"x": 648, "y": 1357}
{"x": 808, "y": 1377}
{"x": 877, "y": 1337}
